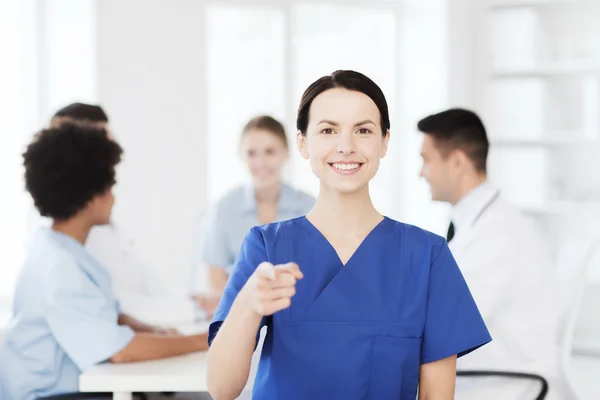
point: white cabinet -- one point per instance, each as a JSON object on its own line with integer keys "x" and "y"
{"x": 540, "y": 96}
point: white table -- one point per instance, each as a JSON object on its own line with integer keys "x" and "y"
{"x": 176, "y": 374}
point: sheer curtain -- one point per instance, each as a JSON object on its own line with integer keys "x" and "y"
{"x": 245, "y": 77}
{"x": 48, "y": 60}
{"x": 19, "y": 115}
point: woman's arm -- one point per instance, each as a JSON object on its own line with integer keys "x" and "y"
{"x": 267, "y": 291}
{"x": 148, "y": 346}
{"x": 217, "y": 279}
{"x": 141, "y": 327}
{"x": 437, "y": 379}
{"x": 230, "y": 354}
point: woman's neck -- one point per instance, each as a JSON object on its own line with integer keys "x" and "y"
{"x": 74, "y": 227}
{"x": 344, "y": 213}
{"x": 268, "y": 195}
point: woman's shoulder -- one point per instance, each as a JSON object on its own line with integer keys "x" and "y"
{"x": 232, "y": 197}
{"x": 271, "y": 233}
{"x": 273, "y": 229}
{"x": 415, "y": 237}
{"x": 301, "y": 194}
{"x": 298, "y": 198}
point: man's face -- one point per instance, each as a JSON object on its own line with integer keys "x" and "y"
{"x": 438, "y": 171}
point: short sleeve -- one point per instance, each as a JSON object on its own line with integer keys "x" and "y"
{"x": 212, "y": 244}
{"x": 252, "y": 253}
{"x": 82, "y": 318}
{"x": 453, "y": 324}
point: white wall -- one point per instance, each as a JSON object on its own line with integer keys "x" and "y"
{"x": 151, "y": 81}
{"x": 144, "y": 62}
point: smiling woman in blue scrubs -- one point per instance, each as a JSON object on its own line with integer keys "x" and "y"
{"x": 264, "y": 148}
{"x": 356, "y": 305}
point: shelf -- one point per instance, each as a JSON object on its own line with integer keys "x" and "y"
{"x": 544, "y": 142}
{"x": 541, "y": 67}
{"x": 549, "y": 70}
{"x": 534, "y": 3}
{"x": 559, "y": 207}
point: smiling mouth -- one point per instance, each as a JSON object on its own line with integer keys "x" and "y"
{"x": 346, "y": 168}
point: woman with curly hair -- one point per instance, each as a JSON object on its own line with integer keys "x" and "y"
{"x": 137, "y": 288}
{"x": 65, "y": 316}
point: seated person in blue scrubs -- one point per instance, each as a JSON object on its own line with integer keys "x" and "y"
{"x": 65, "y": 317}
{"x": 356, "y": 305}
{"x": 266, "y": 199}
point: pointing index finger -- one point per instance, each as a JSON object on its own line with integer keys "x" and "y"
{"x": 266, "y": 270}
{"x": 290, "y": 267}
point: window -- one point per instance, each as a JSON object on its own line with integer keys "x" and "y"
{"x": 245, "y": 77}
{"x": 284, "y": 49}
{"x": 17, "y": 102}
{"x": 66, "y": 73}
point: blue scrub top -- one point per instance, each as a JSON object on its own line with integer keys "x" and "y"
{"x": 226, "y": 223}
{"x": 64, "y": 320}
{"x": 360, "y": 330}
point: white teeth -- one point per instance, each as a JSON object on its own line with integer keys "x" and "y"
{"x": 346, "y": 166}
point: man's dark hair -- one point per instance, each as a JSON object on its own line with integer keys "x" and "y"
{"x": 82, "y": 112}
{"x": 458, "y": 129}
{"x": 67, "y": 166}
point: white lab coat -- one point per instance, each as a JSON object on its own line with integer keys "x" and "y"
{"x": 509, "y": 268}
{"x": 134, "y": 284}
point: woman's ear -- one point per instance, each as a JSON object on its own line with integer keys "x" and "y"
{"x": 301, "y": 143}
{"x": 384, "y": 145}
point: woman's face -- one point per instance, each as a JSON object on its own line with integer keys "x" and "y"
{"x": 344, "y": 140}
{"x": 100, "y": 207}
{"x": 265, "y": 154}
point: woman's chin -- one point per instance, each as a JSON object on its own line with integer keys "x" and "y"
{"x": 265, "y": 183}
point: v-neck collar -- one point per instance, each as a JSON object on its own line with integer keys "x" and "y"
{"x": 315, "y": 231}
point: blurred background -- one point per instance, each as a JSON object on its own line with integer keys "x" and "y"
{"x": 180, "y": 78}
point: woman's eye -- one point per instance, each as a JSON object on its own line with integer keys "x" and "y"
{"x": 364, "y": 131}
{"x": 327, "y": 131}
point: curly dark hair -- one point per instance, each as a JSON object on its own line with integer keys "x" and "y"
{"x": 67, "y": 166}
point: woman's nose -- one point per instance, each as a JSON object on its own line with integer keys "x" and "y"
{"x": 345, "y": 143}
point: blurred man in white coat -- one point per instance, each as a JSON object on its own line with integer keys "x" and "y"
{"x": 505, "y": 261}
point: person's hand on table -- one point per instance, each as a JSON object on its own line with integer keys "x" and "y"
{"x": 207, "y": 302}
{"x": 166, "y": 331}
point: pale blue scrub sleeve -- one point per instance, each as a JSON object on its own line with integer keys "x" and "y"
{"x": 213, "y": 248}
{"x": 252, "y": 253}
{"x": 82, "y": 318}
{"x": 453, "y": 324}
